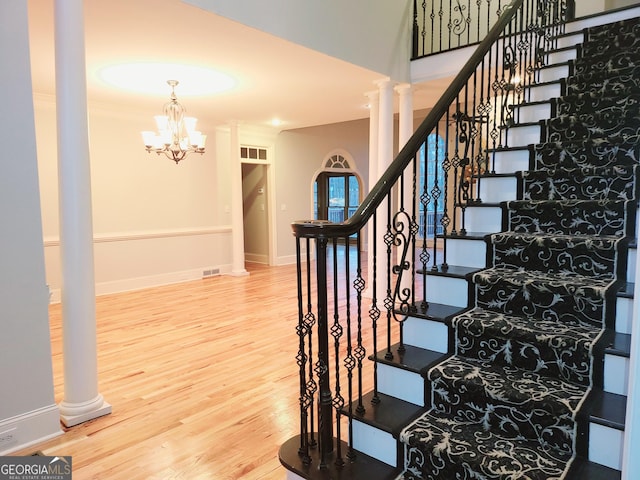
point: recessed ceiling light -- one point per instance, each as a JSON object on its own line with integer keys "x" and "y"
{"x": 276, "y": 122}
{"x": 151, "y": 78}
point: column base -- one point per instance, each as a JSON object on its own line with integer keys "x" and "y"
{"x": 75, "y": 414}
{"x": 239, "y": 273}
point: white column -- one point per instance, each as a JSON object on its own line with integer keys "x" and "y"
{"x": 405, "y": 113}
{"x": 374, "y": 109}
{"x": 237, "y": 214}
{"x": 405, "y": 130}
{"x": 385, "y": 157}
{"x": 82, "y": 401}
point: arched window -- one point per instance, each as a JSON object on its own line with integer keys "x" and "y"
{"x": 432, "y": 155}
{"x": 336, "y": 190}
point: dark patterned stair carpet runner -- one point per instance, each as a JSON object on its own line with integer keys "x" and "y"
{"x": 506, "y": 404}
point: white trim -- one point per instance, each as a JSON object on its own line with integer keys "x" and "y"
{"x": 51, "y": 241}
{"x": 32, "y": 427}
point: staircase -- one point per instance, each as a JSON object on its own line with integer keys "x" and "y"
{"x": 516, "y": 363}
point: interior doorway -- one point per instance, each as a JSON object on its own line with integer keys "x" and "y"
{"x": 255, "y": 205}
{"x": 337, "y": 196}
{"x": 337, "y": 189}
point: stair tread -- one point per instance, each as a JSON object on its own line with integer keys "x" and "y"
{"x": 565, "y": 63}
{"x": 466, "y": 236}
{"x": 608, "y": 409}
{"x": 582, "y": 469}
{"x": 414, "y": 359}
{"x": 455, "y": 271}
{"x": 387, "y": 413}
{"x": 435, "y": 311}
{"x": 620, "y": 345}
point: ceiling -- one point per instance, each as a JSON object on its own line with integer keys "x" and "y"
{"x": 276, "y": 78}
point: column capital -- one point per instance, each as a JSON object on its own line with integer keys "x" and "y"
{"x": 403, "y": 88}
{"x": 383, "y": 83}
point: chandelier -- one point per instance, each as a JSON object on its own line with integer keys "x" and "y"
{"x": 176, "y": 136}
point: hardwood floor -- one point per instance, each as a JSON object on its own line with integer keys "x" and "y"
{"x": 201, "y": 376}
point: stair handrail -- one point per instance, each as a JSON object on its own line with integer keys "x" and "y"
{"x": 326, "y": 229}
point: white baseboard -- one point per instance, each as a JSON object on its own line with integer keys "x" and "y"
{"x": 25, "y": 430}
{"x": 256, "y": 258}
{"x": 139, "y": 283}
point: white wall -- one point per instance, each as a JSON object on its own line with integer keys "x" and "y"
{"x": 300, "y": 154}
{"x": 154, "y": 222}
{"x": 374, "y": 34}
{"x": 27, "y": 409}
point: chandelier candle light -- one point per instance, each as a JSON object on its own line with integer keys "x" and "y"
{"x": 177, "y": 135}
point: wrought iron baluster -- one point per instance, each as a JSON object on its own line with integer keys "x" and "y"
{"x": 388, "y": 300}
{"x": 415, "y": 228}
{"x": 350, "y": 360}
{"x": 360, "y": 352}
{"x": 446, "y": 166}
{"x": 337, "y": 332}
{"x": 374, "y": 311}
{"x": 415, "y": 52}
{"x": 436, "y": 193}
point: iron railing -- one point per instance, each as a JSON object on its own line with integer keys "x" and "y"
{"x": 351, "y": 309}
{"x": 442, "y": 25}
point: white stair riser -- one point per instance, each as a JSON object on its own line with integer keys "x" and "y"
{"x": 631, "y": 265}
{"x": 624, "y": 315}
{"x": 521, "y": 136}
{"x": 375, "y": 442}
{"x": 544, "y": 92}
{"x": 402, "y": 384}
{"x": 556, "y": 72}
{"x": 511, "y": 161}
{"x": 562, "y": 56}
{"x": 570, "y": 40}
{"x": 601, "y": 19}
{"x": 483, "y": 219}
{"x": 616, "y": 374}
{"x": 606, "y": 445}
{"x": 427, "y": 334}
{"x": 467, "y": 253}
{"x": 447, "y": 290}
{"x": 533, "y": 113}
{"x": 497, "y": 189}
